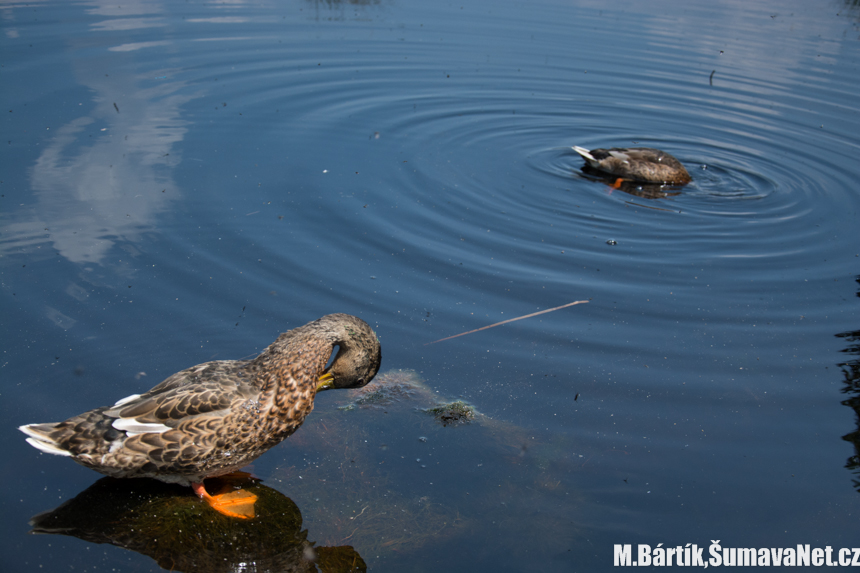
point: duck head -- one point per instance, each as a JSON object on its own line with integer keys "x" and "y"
{"x": 359, "y": 352}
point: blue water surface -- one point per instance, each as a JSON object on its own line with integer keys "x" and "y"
{"x": 181, "y": 182}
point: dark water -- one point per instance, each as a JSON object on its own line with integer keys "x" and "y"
{"x": 183, "y": 181}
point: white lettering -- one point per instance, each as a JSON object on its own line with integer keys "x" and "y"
{"x": 789, "y": 557}
{"x": 818, "y": 557}
{"x": 776, "y": 554}
{"x": 691, "y": 555}
{"x": 622, "y": 555}
{"x": 746, "y": 557}
{"x": 716, "y": 558}
{"x": 730, "y": 556}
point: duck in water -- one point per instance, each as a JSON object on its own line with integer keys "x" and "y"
{"x": 637, "y": 164}
{"x": 214, "y": 418}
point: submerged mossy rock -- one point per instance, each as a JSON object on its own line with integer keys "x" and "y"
{"x": 405, "y": 386}
{"x": 169, "y": 524}
{"x": 389, "y": 389}
{"x": 343, "y": 475}
{"x": 453, "y": 413}
{"x": 375, "y": 468}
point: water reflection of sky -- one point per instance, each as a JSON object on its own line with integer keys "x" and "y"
{"x": 100, "y": 173}
{"x": 105, "y": 174}
{"x": 183, "y": 181}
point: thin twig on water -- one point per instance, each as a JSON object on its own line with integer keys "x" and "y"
{"x": 509, "y": 320}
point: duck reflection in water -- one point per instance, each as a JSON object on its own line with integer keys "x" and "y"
{"x": 165, "y": 523}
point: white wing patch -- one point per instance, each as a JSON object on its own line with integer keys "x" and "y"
{"x": 126, "y": 400}
{"x": 620, "y": 155}
{"x": 134, "y": 428}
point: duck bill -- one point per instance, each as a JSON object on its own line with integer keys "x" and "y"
{"x": 325, "y": 382}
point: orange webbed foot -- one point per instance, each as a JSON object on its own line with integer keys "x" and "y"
{"x": 230, "y": 502}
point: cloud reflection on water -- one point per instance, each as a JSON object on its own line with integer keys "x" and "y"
{"x": 104, "y": 176}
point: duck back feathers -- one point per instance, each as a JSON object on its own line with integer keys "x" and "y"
{"x": 637, "y": 164}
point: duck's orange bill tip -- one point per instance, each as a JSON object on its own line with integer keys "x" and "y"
{"x": 618, "y": 182}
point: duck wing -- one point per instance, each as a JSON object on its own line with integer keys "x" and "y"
{"x": 207, "y": 389}
{"x": 196, "y": 400}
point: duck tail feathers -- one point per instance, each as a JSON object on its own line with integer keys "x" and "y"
{"x": 40, "y": 440}
{"x": 586, "y": 154}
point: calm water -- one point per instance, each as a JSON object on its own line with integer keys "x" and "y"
{"x": 183, "y": 181}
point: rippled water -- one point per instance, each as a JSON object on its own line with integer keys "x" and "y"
{"x": 183, "y": 181}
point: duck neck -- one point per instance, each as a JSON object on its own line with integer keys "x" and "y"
{"x": 287, "y": 373}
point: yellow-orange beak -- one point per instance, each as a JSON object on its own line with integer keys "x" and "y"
{"x": 325, "y": 382}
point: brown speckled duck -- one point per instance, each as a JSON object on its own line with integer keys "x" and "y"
{"x": 637, "y": 164}
{"x": 217, "y": 417}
